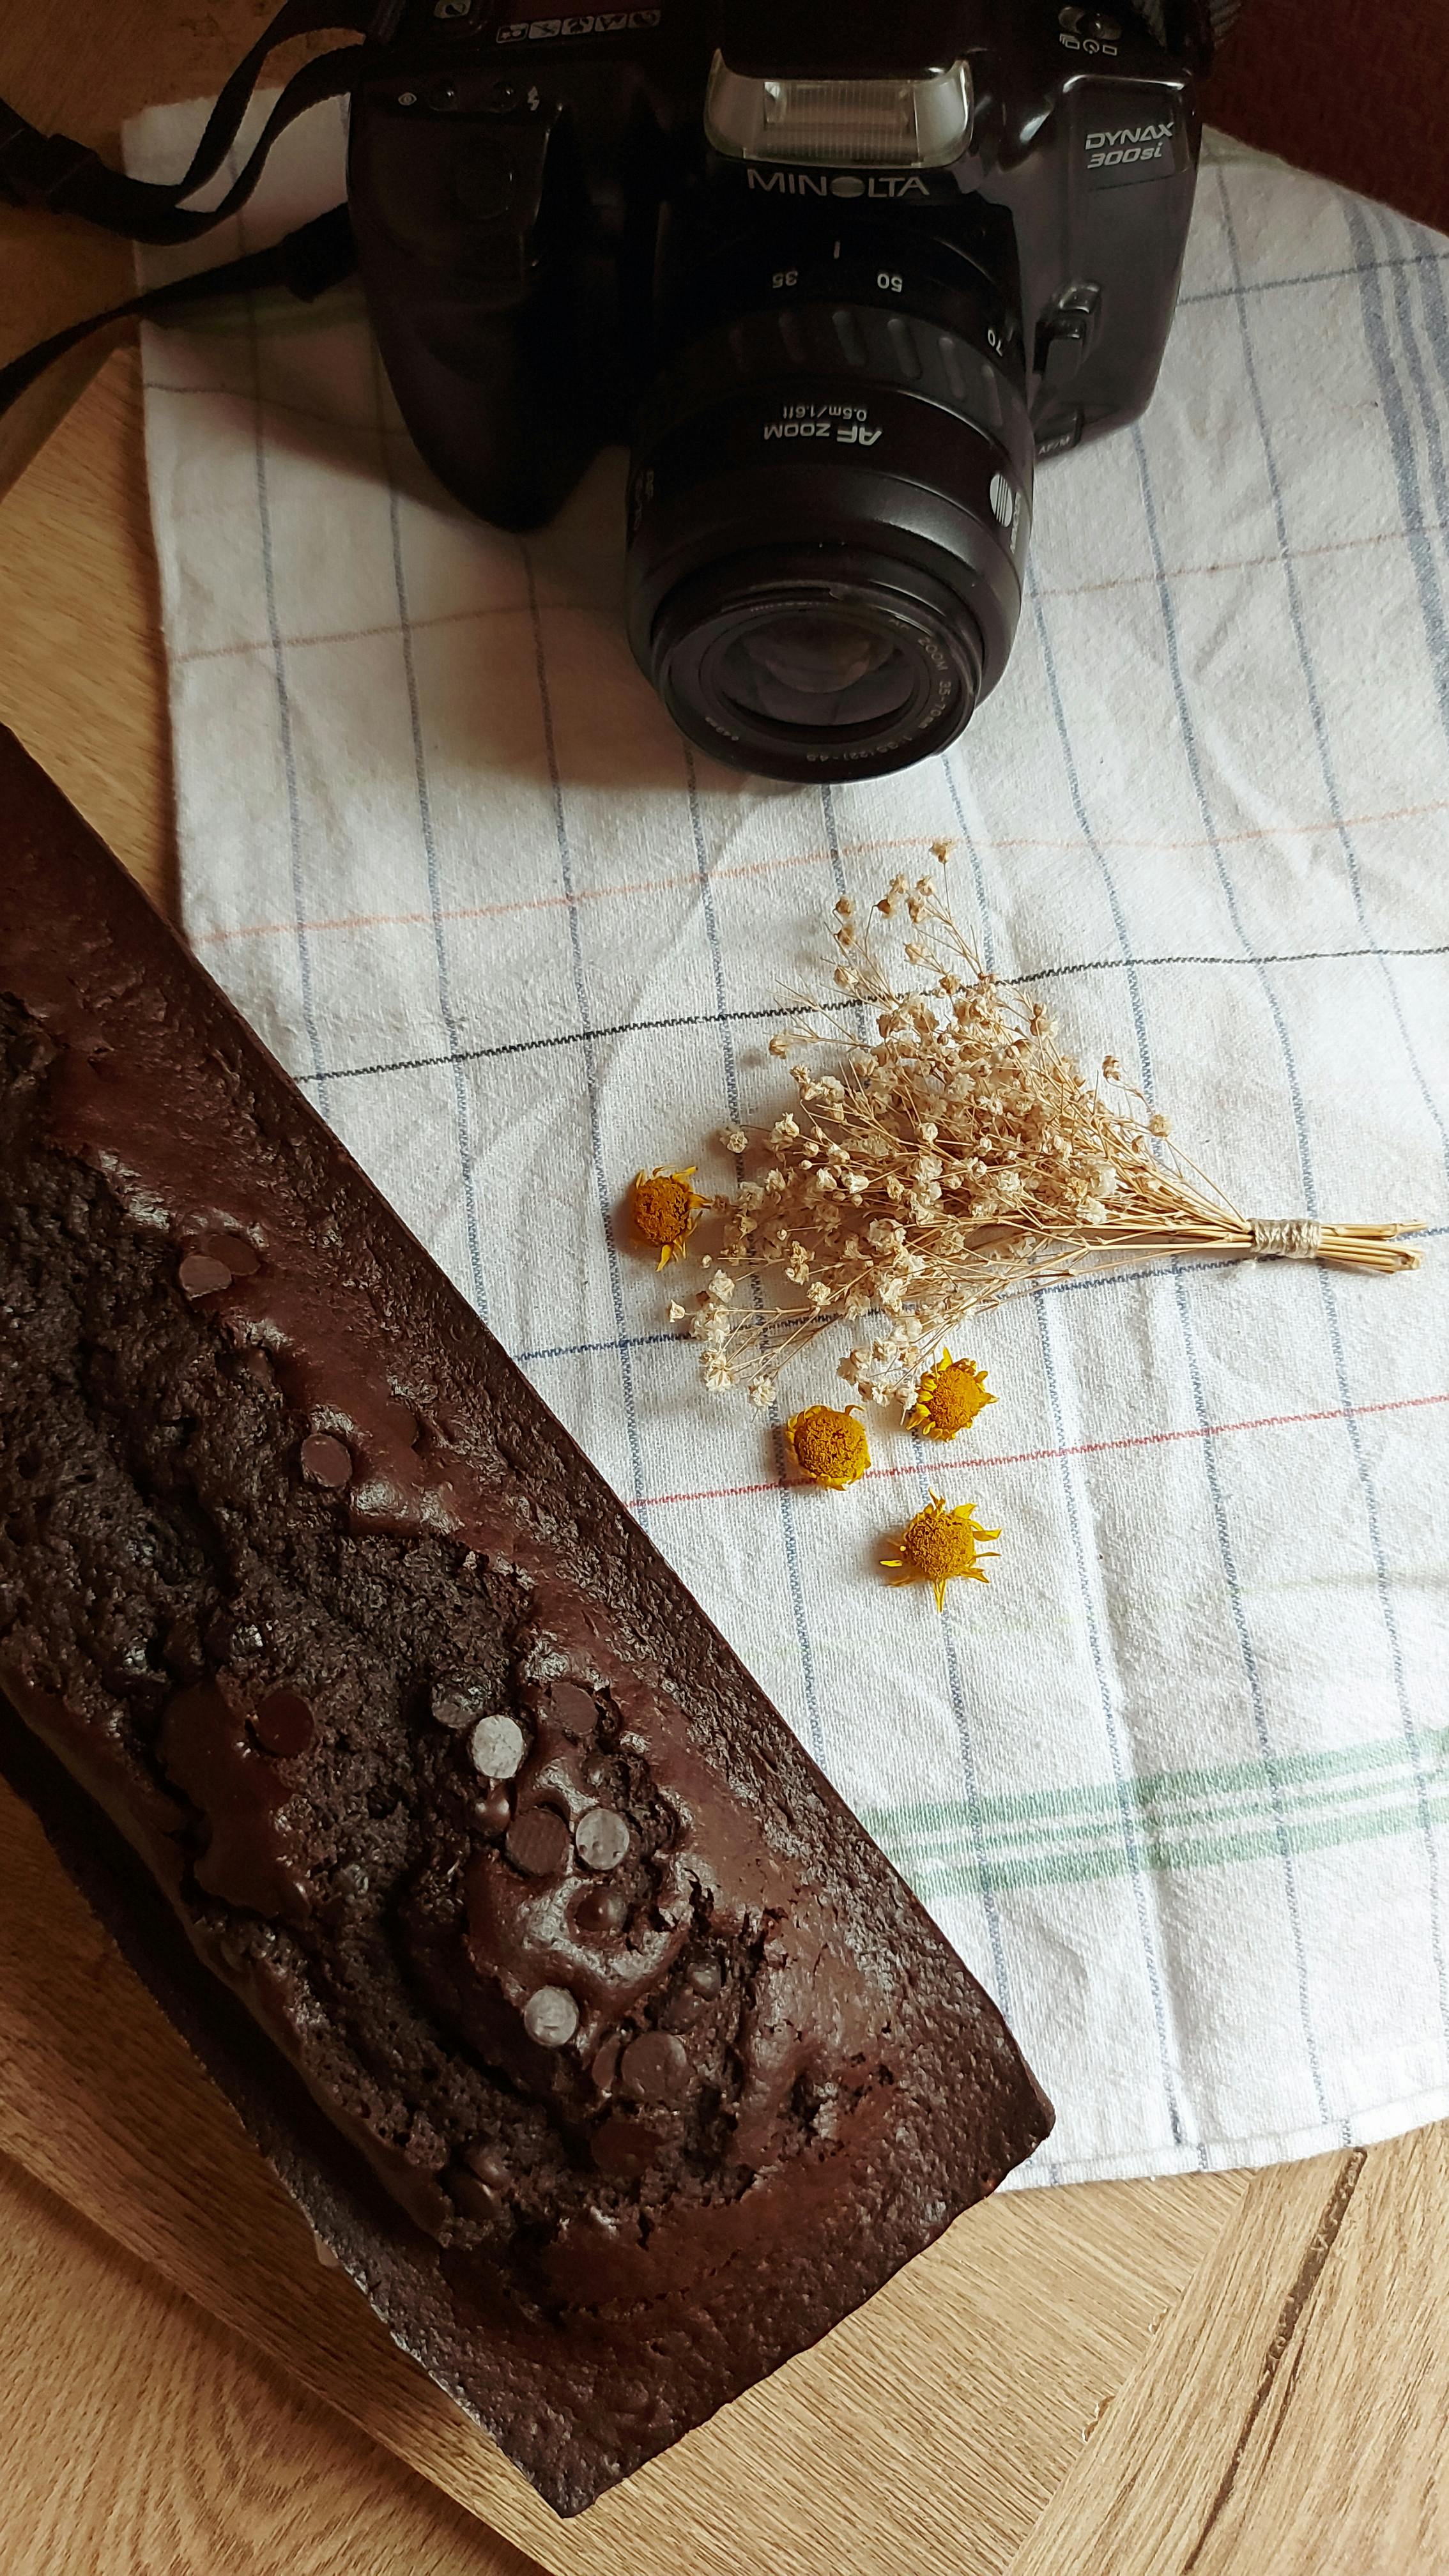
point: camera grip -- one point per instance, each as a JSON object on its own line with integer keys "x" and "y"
{"x": 1101, "y": 291}
{"x": 488, "y": 298}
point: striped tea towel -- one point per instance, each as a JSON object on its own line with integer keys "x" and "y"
{"x": 1178, "y": 1783}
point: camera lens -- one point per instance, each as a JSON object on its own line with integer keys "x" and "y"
{"x": 829, "y": 507}
{"x": 778, "y": 665}
{"x": 816, "y": 666}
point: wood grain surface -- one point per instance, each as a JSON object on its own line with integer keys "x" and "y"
{"x": 140, "y": 2438}
{"x": 1154, "y": 2379}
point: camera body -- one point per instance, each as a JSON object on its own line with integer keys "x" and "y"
{"x": 840, "y": 276}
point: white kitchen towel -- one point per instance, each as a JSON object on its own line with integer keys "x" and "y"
{"x": 1178, "y": 1783}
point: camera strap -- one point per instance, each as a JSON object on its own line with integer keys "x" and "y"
{"x": 51, "y": 171}
{"x": 69, "y": 179}
{"x": 306, "y": 262}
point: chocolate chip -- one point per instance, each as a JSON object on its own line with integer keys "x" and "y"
{"x": 604, "y": 2065}
{"x": 539, "y": 1843}
{"x": 487, "y": 2164}
{"x": 257, "y": 1365}
{"x": 242, "y": 1258}
{"x": 285, "y": 1724}
{"x": 654, "y": 2066}
{"x": 600, "y": 1911}
{"x": 497, "y": 1746}
{"x": 480, "y": 2188}
{"x": 623, "y": 2146}
{"x": 200, "y": 1276}
{"x": 551, "y": 2017}
{"x": 476, "y": 2198}
{"x": 457, "y": 1705}
{"x": 601, "y": 1838}
{"x": 233, "y": 1641}
{"x": 572, "y": 1708}
{"x": 682, "y": 2009}
{"x": 703, "y": 1976}
{"x": 495, "y": 1812}
{"x": 326, "y": 1461}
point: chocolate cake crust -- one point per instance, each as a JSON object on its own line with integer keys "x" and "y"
{"x": 629, "y": 2064}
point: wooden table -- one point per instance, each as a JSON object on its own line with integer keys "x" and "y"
{"x": 1179, "y": 2378}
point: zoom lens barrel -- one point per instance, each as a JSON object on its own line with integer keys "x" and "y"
{"x": 829, "y": 509}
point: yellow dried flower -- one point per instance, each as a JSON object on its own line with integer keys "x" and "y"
{"x": 830, "y": 1448}
{"x": 939, "y": 1546}
{"x": 948, "y": 1398}
{"x": 664, "y": 1209}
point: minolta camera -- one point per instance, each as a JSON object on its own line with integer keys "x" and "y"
{"x": 839, "y": 271}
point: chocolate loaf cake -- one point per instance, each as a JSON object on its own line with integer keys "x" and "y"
{"x": 606, "y": 2050}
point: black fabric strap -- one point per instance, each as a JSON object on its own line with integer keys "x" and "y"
{"x": 49, "y": 170}
{"x": 317, "y": 255}
{"x": 1224, "y": 15}
{"x": 1193, "y": 28}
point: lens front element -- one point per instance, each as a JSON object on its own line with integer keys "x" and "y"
{"x": 774, "y": 669}
{"x": 828, "y": 518}
{"x": 816, "y": 666}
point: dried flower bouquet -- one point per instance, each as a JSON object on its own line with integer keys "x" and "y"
{"x": 955, "y": 1159}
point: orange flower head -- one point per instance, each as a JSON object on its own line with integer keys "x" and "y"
{"x": 939, "y": 1546}
{"x": 664, "y": 1209}
{"x": 830, "y": 1448}
{"x": 948, "y": 1399}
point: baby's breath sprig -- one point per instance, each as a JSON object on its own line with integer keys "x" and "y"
{"x": 954, "y": 1158}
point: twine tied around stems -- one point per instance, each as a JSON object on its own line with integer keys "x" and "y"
{"x": 1286, "y": 1238}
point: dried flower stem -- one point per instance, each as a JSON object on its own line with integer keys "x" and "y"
{"x": 954, "y": 1159}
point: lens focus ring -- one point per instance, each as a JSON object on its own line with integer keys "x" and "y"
{"x": 852, "y": 344}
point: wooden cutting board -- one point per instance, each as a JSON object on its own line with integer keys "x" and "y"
{"x": 1262, "y": 2363}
